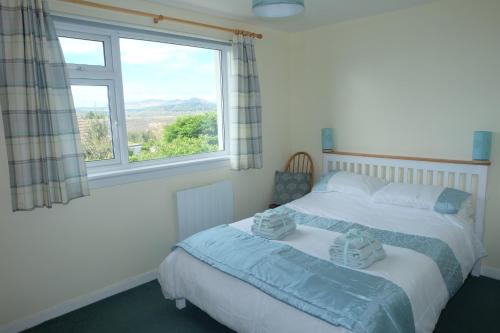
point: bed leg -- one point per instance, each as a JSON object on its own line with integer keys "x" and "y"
{"x": 180, "y": 303}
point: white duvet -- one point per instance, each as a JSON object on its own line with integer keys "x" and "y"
{"x": 244, "y": 308}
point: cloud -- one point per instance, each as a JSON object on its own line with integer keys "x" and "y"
{"x": 79, "y": 46}
{"x": 90, "y": 96}
{"x": 167, "y": 71}
{"x": 140, "y": 52}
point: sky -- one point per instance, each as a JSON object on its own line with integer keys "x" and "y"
{"x": 150, "y": 70}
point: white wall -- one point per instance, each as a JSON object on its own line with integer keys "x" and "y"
{"x": 48, "y": 256}
{"x": 412, "y": 82}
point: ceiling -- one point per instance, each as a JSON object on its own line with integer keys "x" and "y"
{"x": 317, "y": 13}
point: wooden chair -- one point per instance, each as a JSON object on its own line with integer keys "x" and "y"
{"x": 301, "y": 162}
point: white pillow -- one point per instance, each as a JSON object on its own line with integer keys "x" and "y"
{"x": 350, "y": 183}
{"x": 408, "y": 195}
{"x": 440, "y": 199}
{"x": 467, "y": 209}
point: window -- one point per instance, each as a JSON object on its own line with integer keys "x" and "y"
{"x": 170, "y": 94}
{"x": 145, "y": 99}
{"x": 94, "y": 120}
{"x": 83, "y": 52}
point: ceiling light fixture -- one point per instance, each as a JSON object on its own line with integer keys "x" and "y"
{"x": 277, "y": 8}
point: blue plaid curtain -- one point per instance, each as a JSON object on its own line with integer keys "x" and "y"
{"x": 246, "y": 110}
{"x": 46, "y": 162}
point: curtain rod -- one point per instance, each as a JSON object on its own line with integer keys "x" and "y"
{"x": 157, "y": 18}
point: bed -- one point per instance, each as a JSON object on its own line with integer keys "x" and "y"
{"x": 245, "y": 307}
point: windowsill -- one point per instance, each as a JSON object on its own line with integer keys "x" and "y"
{"x": 143, "y": 173}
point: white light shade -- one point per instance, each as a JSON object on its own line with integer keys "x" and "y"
{"x": 277, "y": 8}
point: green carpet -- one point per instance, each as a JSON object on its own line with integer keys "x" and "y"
{"x": 475, "y": 308}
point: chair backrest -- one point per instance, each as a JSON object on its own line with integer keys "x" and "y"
{"x": 301, "y": 162}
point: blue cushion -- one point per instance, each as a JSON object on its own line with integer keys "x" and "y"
{"x": 450, "y": 201}
{"x": 289, "y": 186}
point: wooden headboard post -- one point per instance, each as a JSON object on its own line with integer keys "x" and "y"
{"x": 470, "y": 176}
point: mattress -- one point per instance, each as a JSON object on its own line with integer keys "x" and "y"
{"x": 245, "y": 308}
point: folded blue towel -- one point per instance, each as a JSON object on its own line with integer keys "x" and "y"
{"x": 270, "y": 218}
{"x": 359, "y": 254}
{"x": 272, "y": 226}
{"x": 357, "y": 249}
{"x": 279, "y": 234}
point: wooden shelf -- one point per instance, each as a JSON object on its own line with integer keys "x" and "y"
{"x": 409, "y": 158}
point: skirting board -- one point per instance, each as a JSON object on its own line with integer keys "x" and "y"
{"x": 77, "y": 302}
{"x": 490, "y": 272}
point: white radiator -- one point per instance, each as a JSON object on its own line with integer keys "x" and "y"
{"x": 204, "y": 207}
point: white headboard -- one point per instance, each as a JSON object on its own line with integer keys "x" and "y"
{"x": 470, "y": 176}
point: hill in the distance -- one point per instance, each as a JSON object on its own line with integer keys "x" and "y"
{"x": 159, "y": 106}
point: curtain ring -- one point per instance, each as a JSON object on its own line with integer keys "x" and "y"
{"x": 158, "y": 18}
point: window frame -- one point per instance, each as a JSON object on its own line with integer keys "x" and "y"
{"x": 106, "y": 49}
{"x": 115, "y": 133}
{"x": 111, "y": 74}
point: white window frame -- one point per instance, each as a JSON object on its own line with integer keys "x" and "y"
{"x": 115, "y": 132}
{"x": 106, "y": 48}
{"x": 120, "y": 170}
